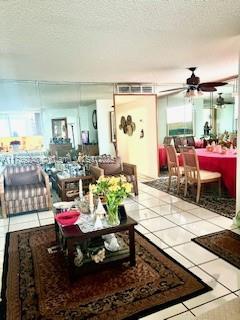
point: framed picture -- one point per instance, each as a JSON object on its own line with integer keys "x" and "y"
{"x": 113, "y": 126}
{"x": 85, "y": 137}
{"x": 59, "y": 128}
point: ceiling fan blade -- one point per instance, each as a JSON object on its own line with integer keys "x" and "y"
{"x": 207, "y": 89}
{"x": 171, "y": 93}
{"x": 211, "y": 84}
{"x": 175, "y": 89}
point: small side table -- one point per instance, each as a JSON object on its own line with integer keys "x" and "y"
{"x": 70, "y": 236}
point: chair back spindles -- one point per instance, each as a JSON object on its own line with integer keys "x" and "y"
{"x": 173, "y": 165}
{"x": 190, "y": 162}
{"x": 193, "y": 174}
{"x": 167, "y": 141}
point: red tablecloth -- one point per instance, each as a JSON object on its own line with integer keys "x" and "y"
{"x": 162, "y": 155}
{"x": 226, "y": 164}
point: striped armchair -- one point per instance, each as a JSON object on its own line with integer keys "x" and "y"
{"x": 115, "y": 169}
{"x": 24, "y": 188}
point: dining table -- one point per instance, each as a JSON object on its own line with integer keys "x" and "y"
{"x": 224, "y": 163}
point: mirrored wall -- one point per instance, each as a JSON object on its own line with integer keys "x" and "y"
{"x": 28, "y": 109}
{"x": 181, "y": 116}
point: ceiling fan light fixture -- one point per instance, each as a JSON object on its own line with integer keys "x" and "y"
{"x": 194, "y": 93}
{"x": 187, "y": 94}
{"x": 191, "y": 92}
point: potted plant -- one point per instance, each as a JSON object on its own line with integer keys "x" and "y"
{"x": 114, "y": 189}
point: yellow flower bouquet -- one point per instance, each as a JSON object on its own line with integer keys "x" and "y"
{"x": 114, "y": 189}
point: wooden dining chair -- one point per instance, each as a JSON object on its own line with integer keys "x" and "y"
{"x": 178, "y": 142}
{"x": 193, "y": 175}
{"x": 191, "y": 141}
{"x": 174, "y": 170}
{"x": 167, "y": 140}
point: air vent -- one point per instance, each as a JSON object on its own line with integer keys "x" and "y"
{"x": 134, "y": 88}
{"x": 147, "y": 89}
{"x": 123, "y": 89}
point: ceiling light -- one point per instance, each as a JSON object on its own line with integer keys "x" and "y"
{"x": 193, "y": 92}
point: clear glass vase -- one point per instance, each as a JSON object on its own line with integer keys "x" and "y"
{"x": 112, "y": 214}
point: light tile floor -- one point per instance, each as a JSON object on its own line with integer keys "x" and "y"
{"x": 170, "y": 223}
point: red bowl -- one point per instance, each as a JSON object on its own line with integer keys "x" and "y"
{"x": 67, "y": 218}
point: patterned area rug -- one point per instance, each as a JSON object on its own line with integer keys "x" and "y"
{"x": 209, "y": 199}
{"x": 225, "y": 244}
{"x": 36, "y": 285}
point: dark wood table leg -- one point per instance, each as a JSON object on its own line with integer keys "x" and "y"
{"x": 132, "y": 246}
{"x": 63, "y": 195}
{"x": 57, "y": 232}
{"x": 70, "y": 260}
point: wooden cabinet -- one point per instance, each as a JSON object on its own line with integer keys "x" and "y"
{"x": 89, "y": 149}
{"x": 60, "y": 150}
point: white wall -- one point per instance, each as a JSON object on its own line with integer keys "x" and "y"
{"x": 133, "y": 149}
{"x": 201, "y": 115}
{"x": 162, "y": 104}
{"x": 223, "y": 119}
{"x": 103, "y": 118}
{"x": 85, "y": 115}
{"x": 93, "y": 133}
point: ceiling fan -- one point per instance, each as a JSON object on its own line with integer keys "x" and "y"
{"x": 194, "y": 87}
{"x": 220, "y": 102}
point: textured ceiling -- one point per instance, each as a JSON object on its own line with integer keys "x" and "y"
{"x": 118, "y": 40}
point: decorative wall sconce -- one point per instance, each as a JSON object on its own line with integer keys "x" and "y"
{"x": 127, "y": 125}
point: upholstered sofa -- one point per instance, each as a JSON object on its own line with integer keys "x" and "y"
{"x": 116, "y": 168}
{"x": 24, "y": 188}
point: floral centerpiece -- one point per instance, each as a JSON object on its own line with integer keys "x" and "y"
{"x": 114, "y": 190}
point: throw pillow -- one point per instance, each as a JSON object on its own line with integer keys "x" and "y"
{"x": 24, "y": 178}
{"x": 111, "y": 168}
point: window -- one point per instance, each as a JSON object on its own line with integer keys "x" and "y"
{"x": 20, "y": 124}
{"x": 180, "y": 120}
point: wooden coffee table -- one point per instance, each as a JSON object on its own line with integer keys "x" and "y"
{"x": 70, "y": 236}
{"x": 65, "y": 184}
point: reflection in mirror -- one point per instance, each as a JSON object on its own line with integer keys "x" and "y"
{"x": 59, "y": 128}
{"x": 44, "y": 101}
{"x": 221, "y": 105}
{"x": 177, "y": 116}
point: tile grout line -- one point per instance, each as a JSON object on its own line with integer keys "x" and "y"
{"x": 200, "y": 267}
{"x": 184, "y": 211}
{"x": 202, "y": 304}
{"x": 186, "y": 201}
{"x": 178, "y": 314}
{"x": 168, "y": 194}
